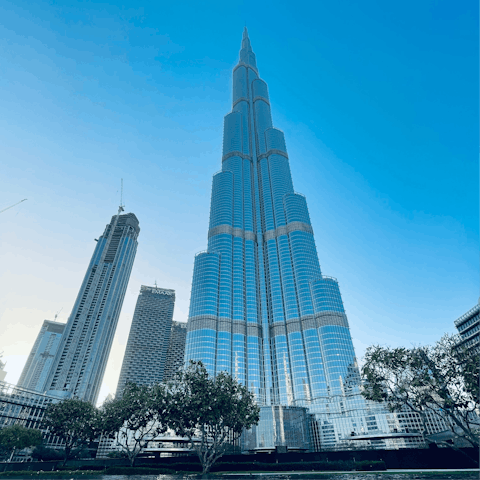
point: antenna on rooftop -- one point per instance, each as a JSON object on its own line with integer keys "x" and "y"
{"x": 57, "y": 314}
{"x": 121, "y": 207}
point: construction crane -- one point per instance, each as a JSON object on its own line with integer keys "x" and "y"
{"x": 11, "y": 206}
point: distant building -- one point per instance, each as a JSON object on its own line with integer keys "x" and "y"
{"x": 79, "y": 365}
{"x": 146, "y": 353}
{"x": 21, "y": 406}
{"x": 468, "y": 326}
{"x": 176, "y": 350}
{"x": 39, "y": 362}
{"x": 3, "y": 373}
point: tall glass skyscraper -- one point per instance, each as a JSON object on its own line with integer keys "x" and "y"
{"x": 260, "y": 306}
{"x": 39, "y": 362}
{"x": 81, "y": 359}
{"x": 146, "y": 352}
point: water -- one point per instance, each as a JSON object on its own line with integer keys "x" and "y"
{"x": 405, "y": 475}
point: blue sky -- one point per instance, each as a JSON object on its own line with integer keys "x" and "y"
{"x": 379, "y": 105}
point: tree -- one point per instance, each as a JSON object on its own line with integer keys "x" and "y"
{"x": 211, "y": 412}
{"x": 442, "y": 380}
{"x": 17, "y": 437}
{"x": 133, "y": 419}
{"x": 43, "y": 453}
{"x": 4, "y": 453}
{"x": 74, "y": 421}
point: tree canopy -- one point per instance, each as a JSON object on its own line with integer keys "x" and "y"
{"x": 74, "y": 421}
{"x": 17, "y": 437}
{"x": 442, "y": 380}
{"x": 135, "y": 418}
{"x": 43, "y": 453}
{"x": 211, "y": 412}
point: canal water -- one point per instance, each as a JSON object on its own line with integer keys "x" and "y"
{"x": 405, "y": 475}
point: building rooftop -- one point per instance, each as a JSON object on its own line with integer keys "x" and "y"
{"x": 476, "y": 309}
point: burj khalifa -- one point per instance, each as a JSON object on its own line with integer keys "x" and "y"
{"x": 261, "y": 308}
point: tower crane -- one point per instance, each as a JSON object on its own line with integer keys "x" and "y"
{"x": 11, "y": 206}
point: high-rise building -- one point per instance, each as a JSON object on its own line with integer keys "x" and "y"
{"x": 260, "y": 306}
{"x": 176, "y": 350}
{"x": 147, "y": 345}
{"x": 468, "y": 326}
{"x": 80, "y": 362}
{"x": 39, "y": 362}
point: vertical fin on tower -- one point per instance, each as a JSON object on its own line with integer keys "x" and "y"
{"x": 232, "y": 133}
{"x": 221, "y": 210}
{"x": 275, "y": 139}
{"x": 260, "y": 88}
{"x": 296, "y": 209}
{"x": 204, "y": 296}
{"x": 327, "y": 298}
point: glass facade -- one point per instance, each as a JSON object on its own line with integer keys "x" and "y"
{"x": 39, "y": 362}
{"x": 260, "y": 307}
{"x": 22, "y": 406}
{"x": 145, "y": 356}
{"x": 176, "y": 350}
{"x": 81, "y": 359}
{"x": 468, "y": 326}
{"x": 279, "y": 426}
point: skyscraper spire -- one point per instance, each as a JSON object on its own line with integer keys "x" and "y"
{"x": 246, "y": 53}
{"x": 245, "y": 37}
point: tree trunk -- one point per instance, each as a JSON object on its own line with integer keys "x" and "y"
{"x": 131, "y": 457}
{"x": 205, "y": 465}
{"x": 67, "y": 454}
{"x": 12, "y": 454}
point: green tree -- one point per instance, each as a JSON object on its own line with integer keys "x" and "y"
{"x": 134, "y": 418}
{"x": 74, "y": 421}
{"x": 211, "y": 412}
{"x": 43, "y": 453}
{"x": 4, "y": 453}
{"x": 17, "y": 437}
{"x": 442, "y": 380}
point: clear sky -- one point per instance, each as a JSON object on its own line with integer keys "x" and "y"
{"x": 379, "y": 105}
